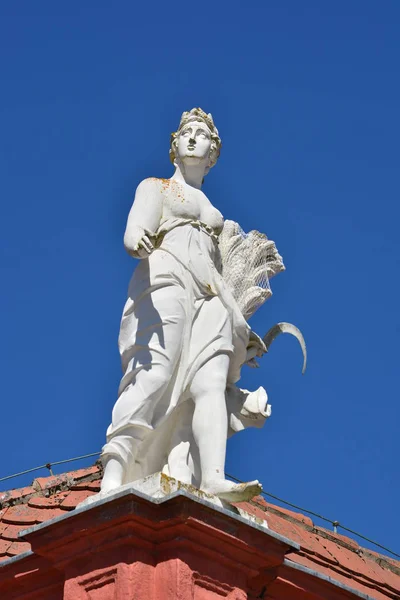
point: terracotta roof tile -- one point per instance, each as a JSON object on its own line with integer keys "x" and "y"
{"x": 18, "y": 548}
{"x": 74, "y": 497}
{"x": 309, "y": 543}
{"x": 250, "y": 508}
{"x": 290, "y": 513}
{"x": 378, "y": 556}
{"x": 344, "y": 538}
{"x": 65, "y": 479}
{"x": 291, "y": 529}
{"x": 333, "y": 554}
{"x": 334, "y": 573}
{"x": 94, "y": 486}
{"x": 293, "y": 515}
{"x": 8, "y": 497}
{"x": 44, "y": 514}
{"x": 390, "y": 578}
{"x": 4, "y": 546}
{"x": 20, "y": 514}
{"x": 261, "y": 501}
{"x": 276, "y": 523}
{"x": 3, "y": 512}
{"x": 352, "y": 561}
{"x": 48, "y": 502}
{"x": 46, "y": 483}
{"x": 11, "y": 532}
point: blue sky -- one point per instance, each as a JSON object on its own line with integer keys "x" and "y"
{"x": 306, "y": 97}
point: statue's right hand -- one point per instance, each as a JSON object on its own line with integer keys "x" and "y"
{"x": 144, "y": 243}
{"x": 138, "y": 243}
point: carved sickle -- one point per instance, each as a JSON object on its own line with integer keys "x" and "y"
{"x": 287, "y": 328}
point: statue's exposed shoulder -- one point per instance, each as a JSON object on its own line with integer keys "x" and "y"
{"x": 156, "y": 184}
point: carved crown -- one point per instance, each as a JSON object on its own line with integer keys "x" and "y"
{"x": 197, "y": 114}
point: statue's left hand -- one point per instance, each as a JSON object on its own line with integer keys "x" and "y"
{"x": 255, "y": 347}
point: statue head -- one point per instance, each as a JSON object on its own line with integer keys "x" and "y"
{"x": 196, "y": 139}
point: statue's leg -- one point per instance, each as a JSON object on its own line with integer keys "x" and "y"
{"x": 113, "y": 473}
{"x": 119, "y": 455}
{"x": 156, "y": 329}
{"x": 210, "y": 420}
{"x": 210, "y": 429}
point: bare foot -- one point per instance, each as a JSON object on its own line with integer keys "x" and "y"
{"x": 233, "y": 492}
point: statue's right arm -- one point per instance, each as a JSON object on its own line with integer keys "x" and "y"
{"x": 144, "y": 218}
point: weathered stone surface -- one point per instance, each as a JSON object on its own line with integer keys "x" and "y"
{"x": 184, "y": 334}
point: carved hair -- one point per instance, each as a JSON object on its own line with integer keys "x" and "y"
{"x": 197, "y": 114}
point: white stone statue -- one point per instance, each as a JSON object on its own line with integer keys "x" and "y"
{"x": 184, "y": 336}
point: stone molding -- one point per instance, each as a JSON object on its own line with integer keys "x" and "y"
{"x": 180, "y": 546}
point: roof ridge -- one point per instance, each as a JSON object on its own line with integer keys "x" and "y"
{"x": 333, "y": 537}
{"x": 361, "y": 578}
{"x": 55, "y": 484}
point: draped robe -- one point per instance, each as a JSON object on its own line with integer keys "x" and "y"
{"x": 179, "y": 314}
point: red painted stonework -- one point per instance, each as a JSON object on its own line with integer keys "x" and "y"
{"x": 132, "y": 548}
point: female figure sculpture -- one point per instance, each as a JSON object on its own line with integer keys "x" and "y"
{"x": 183, "y": 337}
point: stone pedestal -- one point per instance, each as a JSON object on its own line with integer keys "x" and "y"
{"x": 160, "y": 486}
{"x": 134, "y": 546}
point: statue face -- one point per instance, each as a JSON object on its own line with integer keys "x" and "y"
{"x": 194, "y": 143}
